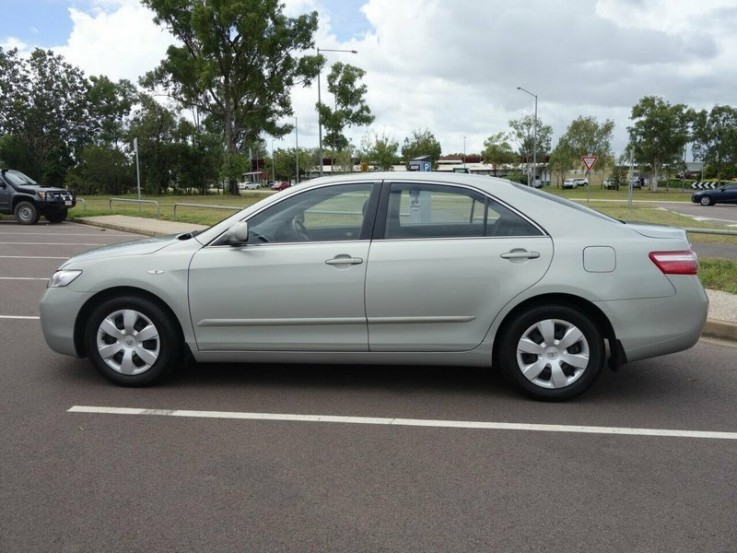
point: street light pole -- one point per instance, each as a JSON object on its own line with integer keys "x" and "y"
{"x": 534, "y": 135}
{"x": 319, "y": 103}
{"x": 296, "y": 153}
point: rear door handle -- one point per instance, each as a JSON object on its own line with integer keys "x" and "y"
{"x": 520, "y": 254}
{"x": 344, "y": 260}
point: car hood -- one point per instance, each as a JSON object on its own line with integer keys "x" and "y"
{"x": 146, "y": 246}
{"x": 32, "y": 189}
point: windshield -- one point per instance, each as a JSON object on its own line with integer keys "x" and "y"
{"x": 18, "y": 178}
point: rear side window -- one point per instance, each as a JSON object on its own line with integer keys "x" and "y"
{"x": 437, "y": 211}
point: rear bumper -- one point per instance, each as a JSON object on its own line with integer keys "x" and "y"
{"x": 663, "y": 325}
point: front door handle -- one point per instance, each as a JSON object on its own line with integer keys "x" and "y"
{"x": 344, "y": 260}
{"x": 520, "y": 254}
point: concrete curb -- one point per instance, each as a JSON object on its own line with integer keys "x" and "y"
{"x": 723, "y": 330}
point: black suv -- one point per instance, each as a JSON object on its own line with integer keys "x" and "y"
{"x": 28, "y": 200}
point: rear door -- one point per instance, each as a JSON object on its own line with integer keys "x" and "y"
{"x": 446, "y": 261}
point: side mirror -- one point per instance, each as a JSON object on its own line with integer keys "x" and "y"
{"x": 238, "y": 234}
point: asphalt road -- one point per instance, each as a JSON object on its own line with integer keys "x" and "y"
{"x": 725, "y": 215}
{"x": 645, "y": 461}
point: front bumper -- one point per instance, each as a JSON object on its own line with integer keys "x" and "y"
{"x": 59, "y": 311}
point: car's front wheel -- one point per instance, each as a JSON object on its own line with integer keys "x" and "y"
{"x": 705, "y": 200}
{"x": 132, "y": 341}
{"x": 551, "y": 352}
{"x": 26, "y": 213}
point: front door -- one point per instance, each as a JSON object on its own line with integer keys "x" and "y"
{"x": 297, "y": 284}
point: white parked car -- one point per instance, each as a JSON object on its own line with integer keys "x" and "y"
{"x": 248, "y": 186}
{"x": 575, "y": 183}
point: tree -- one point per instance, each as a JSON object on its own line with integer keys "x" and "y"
{"x": 585, "y": 136}
{"x": 562, "y": 160}
{"x": 111, "y": 103}
{"x": 237, "y": 64}
{"x": 380, "y": 151}
{"x": 659, "y": 133}
{"x": 523, "y": 131}
{"x": 350, "y": 107}
{"x": 163, "y": 139}
{"x": 285, "y": 163}
{"x": 421, "y": 143}
{"x": 46, "y": 108}
{"x": 102, "y": 170}
{"x": 715, "y": 140}
{"x": 498, "y": 151}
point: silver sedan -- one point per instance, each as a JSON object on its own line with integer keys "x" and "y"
{"x": 388, "y": 268}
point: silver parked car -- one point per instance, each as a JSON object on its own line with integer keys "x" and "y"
{"x": 388, "y": 268}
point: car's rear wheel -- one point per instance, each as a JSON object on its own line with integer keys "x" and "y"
{"x": 705, "y": 200}
{"x": 131, "y": 341}
{"x": 57, "y": 216}
{"x": 26, "y": 213}
{"x": 551, "y": 352}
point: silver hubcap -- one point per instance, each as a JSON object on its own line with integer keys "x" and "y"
{"x": 128, "y": 342}
{"x": 25, "y": 213}
{"x": 553, "y": 354}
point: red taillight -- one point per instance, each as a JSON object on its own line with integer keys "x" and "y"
{"x": 676, "y": 263}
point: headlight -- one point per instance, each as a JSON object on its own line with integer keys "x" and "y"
{"x": 62, "y": 278}
{"x": 42, "y": 195}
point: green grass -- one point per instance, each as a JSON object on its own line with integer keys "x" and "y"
{"x": 718, "y": 274}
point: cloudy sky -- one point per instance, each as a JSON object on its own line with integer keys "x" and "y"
{"x": 450, "y": 66}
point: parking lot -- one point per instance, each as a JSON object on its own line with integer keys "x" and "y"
{"x": 348, "y": 458}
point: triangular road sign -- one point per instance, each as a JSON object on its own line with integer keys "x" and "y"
{"x": 589, "y": 161}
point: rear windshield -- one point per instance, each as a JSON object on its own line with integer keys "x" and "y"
{"x": 565, "y": 202}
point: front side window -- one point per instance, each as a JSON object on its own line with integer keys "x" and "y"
{"x": 435, "y": 211}
{"x": 330, "y": 213}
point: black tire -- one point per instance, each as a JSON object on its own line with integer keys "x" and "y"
{"x": 705, "y": 200}
{"x": 534, "y": 356}
{"x": 26, "y": 213}
{"x": 118, "y": 352}
{"x": 57, "y": 216}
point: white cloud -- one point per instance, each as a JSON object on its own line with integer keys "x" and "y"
{"x": 12, "y": 42}
{"x": 454, "y": 67}
{"x": 118, "y": 39}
